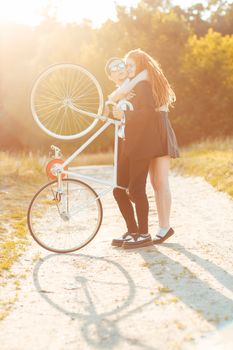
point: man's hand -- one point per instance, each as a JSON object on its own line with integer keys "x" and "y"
{"x": 118, "y": 113}
{"x": 106, "y": 111}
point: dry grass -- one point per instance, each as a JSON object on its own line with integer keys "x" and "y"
{"x": 211, "y": 159}
{"x": 94, "y": 159}
{"x": 20, "y": 175}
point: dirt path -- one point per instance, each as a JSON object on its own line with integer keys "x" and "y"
{"x": 175, "y": 296}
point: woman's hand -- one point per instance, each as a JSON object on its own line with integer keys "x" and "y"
{"x": 118, "y": 113}
{"x": 130, "y": 95}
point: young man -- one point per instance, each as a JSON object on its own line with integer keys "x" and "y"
{"x": 133, "y": 167}
{"x": 115, "y": 70}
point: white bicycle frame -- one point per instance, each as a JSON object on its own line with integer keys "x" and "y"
{"x": 59, "y": 169}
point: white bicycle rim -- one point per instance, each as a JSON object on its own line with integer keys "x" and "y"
{"x": 66, "y": 225}
{"x": 56, "y": 90}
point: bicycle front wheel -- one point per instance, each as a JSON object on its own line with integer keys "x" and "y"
{"x": 67, "y": 221}
{"x": 56, "y": 90}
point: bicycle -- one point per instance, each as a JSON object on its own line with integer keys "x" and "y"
{"x": 67, "y": 103}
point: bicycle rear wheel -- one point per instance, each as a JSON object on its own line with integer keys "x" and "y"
{"x": 56, "y": 90}
{"x": 65, "y": 222}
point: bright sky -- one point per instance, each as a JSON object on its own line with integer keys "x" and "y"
{"x": 28, "y": 11}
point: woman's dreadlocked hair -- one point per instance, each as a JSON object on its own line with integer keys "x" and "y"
{"x": 161, "y": 89}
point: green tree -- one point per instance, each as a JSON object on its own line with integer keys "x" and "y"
{"x": 205, "y": 102}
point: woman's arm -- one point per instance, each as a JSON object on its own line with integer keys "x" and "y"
{"x": 122, "y": 91}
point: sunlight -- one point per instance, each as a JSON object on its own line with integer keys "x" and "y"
{"x": 23, "y": 12}
{"x": 75, "y": 11}
{"x": 29, "y": 12}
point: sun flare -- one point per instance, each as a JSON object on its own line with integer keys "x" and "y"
{"x": 30, "y": 12}
{"x": 23, "y": 12}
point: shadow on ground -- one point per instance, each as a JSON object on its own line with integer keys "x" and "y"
{"x": 87, "y": 296}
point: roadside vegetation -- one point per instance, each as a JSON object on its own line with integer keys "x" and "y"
{"x": 210, "y": 159}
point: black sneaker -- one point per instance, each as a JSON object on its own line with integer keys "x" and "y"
{"x": 140, "y": 241}
{"x": 118, "y": 242}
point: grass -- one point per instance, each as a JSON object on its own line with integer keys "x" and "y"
{"x": 94, "y": 159}
{"x": 210, "y": 159}
{"x": 20, "y": 175}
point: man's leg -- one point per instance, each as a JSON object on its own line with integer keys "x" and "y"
{"x": 137, "y": 190}
{"x": 121, "y": 195}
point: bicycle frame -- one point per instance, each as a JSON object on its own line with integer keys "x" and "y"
{"x": 108, "y": 121}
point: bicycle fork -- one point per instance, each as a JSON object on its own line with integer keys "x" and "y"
{"x": 62, "y": 198}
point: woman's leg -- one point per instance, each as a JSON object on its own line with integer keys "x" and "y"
{"x": 152, "y": 169}
{"x": 159, "y": 172}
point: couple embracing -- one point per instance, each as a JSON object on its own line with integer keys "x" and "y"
{"x": 147, "y": 142}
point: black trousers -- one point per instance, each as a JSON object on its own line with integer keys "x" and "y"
{"x": 132, "y": 174}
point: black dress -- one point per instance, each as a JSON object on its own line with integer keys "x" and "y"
{"x": 148, "y": 132}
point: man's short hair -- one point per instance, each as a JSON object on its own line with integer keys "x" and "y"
{"x": 107, "y": 70}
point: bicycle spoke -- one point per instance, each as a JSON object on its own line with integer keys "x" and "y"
{"x": 69, "y": 223}
{"x": 53, "y": 93}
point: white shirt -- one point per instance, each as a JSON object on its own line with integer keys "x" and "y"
{"x": 163, "y": 108}
{"x": 121, "y": 131}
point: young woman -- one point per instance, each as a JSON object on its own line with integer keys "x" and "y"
{"x": 142, "y": 66}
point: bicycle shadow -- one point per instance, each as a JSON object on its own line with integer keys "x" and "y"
{"x": 82, "y": 295}
{"x": 193, "y": 291}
